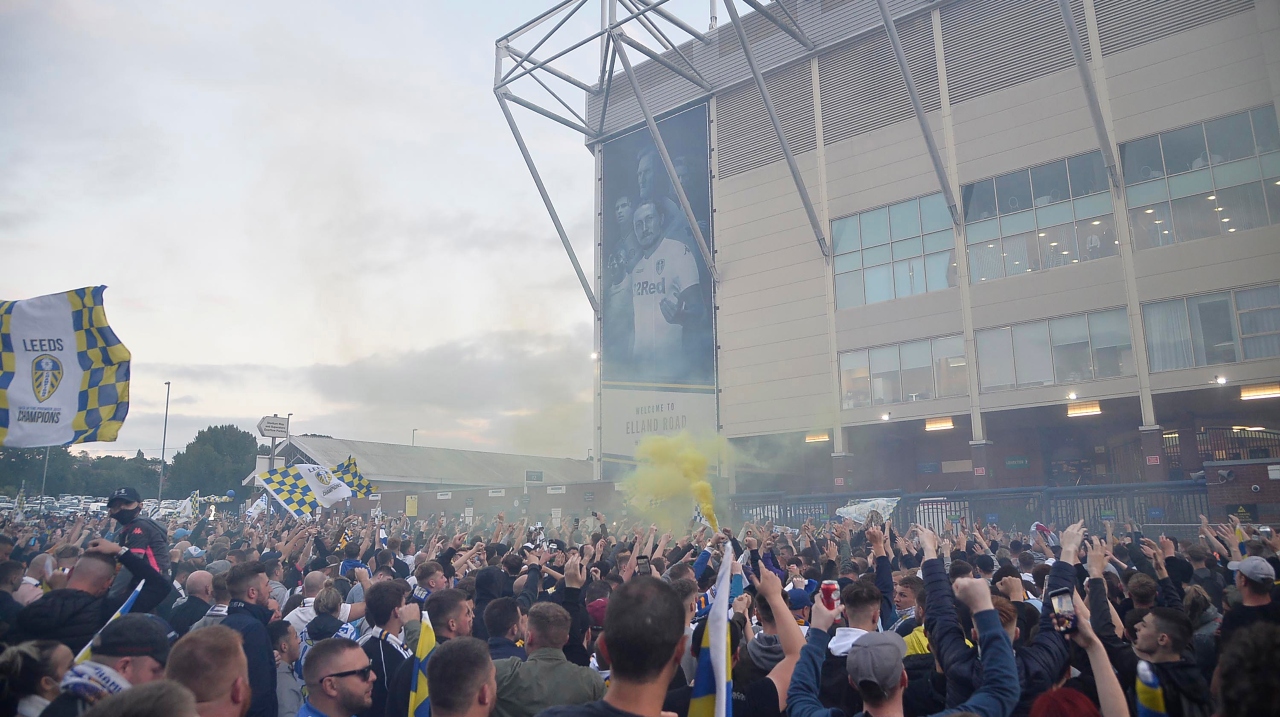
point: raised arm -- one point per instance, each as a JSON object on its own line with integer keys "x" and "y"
{"x": 999, "y": 692}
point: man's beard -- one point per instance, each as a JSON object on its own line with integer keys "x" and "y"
{"x": 355, "y": 702}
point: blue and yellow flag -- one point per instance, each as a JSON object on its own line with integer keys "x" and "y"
{"x": 712, "y": 682}
{"x": 419, "y": 705}
{"x": 290, "y": 488}
{"x": 64, "y": 375}
{"x": 348, "y": 473}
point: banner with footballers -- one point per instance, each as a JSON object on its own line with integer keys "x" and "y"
{"x": 64, "y": 375}
{"x": 657, "y": 352}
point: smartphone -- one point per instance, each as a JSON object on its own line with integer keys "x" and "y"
{"x": 1064, "y": 611}
{"x": 595, "y": 515}
{"x": 642, "y": 565}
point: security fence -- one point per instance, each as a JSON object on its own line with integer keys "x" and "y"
{"x": 1178, "y": 503}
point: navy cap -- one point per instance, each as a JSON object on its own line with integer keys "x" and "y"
{"x": 124, "y": 495}
{"x": 798, "y": 599}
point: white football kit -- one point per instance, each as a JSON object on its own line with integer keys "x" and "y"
{"x": 669, "y": 270}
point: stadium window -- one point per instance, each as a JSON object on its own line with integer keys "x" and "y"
{"x": 1110, "y": 343}
{"x": 903, "y": 373}
{"x": 1051, "y": 215}
{"x": 950, "y": 370}
{"x": 1258, "y": 314}
{"x": 886, "y": 375}
{"x": 855, "y": 380}
{"x": 891, "y": 252}
{"x": 1069, "y": 349}
{"x": 1211, "y": 179}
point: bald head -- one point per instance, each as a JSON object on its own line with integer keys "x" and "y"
{"x": 200, "y": 584}
{"x": 313, "y": 583}
{"x": 93, "y": 573}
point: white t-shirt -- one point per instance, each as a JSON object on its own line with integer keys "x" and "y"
{"x": 305, "y": 613}
{"x": 669, "y": 270}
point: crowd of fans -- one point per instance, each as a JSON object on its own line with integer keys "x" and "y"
{"x": 272, "y": 617}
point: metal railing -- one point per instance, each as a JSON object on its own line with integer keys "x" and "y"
{"x": 1175, "y": 502}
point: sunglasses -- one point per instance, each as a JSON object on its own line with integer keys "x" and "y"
{"x": 363, "y": 672}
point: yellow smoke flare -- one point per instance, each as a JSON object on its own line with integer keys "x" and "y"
{"x": 671, "y": 476}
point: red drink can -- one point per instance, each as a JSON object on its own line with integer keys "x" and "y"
{"x": 830, "y": 589}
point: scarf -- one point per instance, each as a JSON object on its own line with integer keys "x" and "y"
{"x": 91, "y": 681}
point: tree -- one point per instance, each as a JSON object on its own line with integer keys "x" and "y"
{"x": 215, "y": 462}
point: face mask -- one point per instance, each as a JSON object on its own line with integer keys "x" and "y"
{"x": 124, "y": 516}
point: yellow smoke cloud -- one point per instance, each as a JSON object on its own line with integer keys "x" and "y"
{"x": 671, "y": 476}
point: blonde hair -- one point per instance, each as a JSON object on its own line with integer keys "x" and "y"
{"x": 328, "y": 601}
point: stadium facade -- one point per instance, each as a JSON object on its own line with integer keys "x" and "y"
{"x": 1055, "y": 259}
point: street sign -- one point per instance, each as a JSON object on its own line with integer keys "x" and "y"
{"x": 588, "y": 496}
{"x": 533, "y": 476}
{"x": 375, "y": 496}
{"x": 273, "y": 427}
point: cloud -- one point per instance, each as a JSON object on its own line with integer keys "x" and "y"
{"x": 513, "y": 391}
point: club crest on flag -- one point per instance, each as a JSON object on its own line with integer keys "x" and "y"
{"x": 46, "y": 374}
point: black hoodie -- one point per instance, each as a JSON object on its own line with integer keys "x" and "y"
{"x": 73, "y": 617}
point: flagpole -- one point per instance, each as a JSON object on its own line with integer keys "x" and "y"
{"x": 164, "y": 437}
{"x": 45, "y": 477}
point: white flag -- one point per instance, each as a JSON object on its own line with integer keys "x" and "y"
{"x": 698, "y": 517}
{"x": 258, "y": 506}
{"x": 327, "y": 488}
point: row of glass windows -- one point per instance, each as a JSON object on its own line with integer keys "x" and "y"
{"x": 915, "y": 371}
{"x": 1210, "y": 179}
{"x": 900, "y": 250}
{"x": 1206, "y": 180}
{"x": 1052, "y": 215}
{"x": 1070, "y": 349}
{"x": 1206, "y": 330}
{"x": 1212, "y": 329}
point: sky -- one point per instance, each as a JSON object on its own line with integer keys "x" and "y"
{"x": 307, "y": 208}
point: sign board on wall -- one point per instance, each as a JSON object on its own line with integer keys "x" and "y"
{"x": 497, "y": 492}
{"x": 471, "y": 502}
{"x": 657, "y": 347}
{"x": 1017, "y": 462}
{"x": 1246, "y": 512}
{"x": 929, "y": 467}
{"x": 533, "y": 476}
{"x": 444, "y": 495}
{"x": 555, "y": 490}
{"x": 411, "y": 506}
{"x": 588, "y": 497}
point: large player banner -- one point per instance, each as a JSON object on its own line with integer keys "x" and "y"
{"x": 657, "y": 344}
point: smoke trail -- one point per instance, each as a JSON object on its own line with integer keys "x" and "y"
{"x": 671, "y": 478}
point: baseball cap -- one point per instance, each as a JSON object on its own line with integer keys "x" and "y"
{"x": 195, "y": 552}
{"x": 133, "y": 636}
{"x": 124, "y": 495}
{"x": 269, "y": 555}
{"x": 1255, "y": 568}
{"x": 218, "y": 567}
{"x": 798, "y": 599}
{"x": 181, "y": 534}
{"x": 875, "y": 662}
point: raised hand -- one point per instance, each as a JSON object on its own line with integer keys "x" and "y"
{"x": 1097, "y": 560}
{"x": 973, "y": 592}
{"x": 575, "y": 574}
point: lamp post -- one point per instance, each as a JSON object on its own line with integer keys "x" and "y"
{"x": 164, "y": 437}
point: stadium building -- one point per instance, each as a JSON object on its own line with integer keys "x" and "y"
{"x": 1054, "y": 260}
